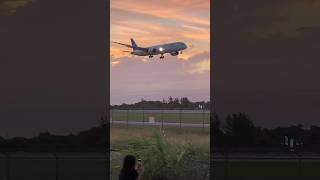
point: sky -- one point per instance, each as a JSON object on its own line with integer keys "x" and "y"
{"x": 267, "y": 61}
{"x": 53, "y": 66}
{"x": 150, "y": 23}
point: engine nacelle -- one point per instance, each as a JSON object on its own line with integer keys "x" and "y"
{"x": 175, "y": 53}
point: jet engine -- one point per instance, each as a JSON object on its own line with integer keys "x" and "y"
{"x": 175, "y": 53}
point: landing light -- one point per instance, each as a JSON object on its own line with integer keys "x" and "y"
{"x": 161, "y": 49}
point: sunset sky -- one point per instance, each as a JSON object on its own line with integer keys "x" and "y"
{"x": 150, "y": 23}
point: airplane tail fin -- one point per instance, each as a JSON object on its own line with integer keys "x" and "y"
{"x": 133, "y": 43}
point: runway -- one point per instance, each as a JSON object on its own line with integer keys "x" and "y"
{"x": 189, "y": 125}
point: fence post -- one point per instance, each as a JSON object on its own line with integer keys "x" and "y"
{"x": 203, "y": 118}
{"x": 161, "y": 118}
{"x": 300, "y": 169}
{"x": 180, "y": 117}
{"x": 226, "y": 164}
{"x": 127, "y": 117}
{"x": 57, "y": 166}
{"x": 7, "y": 166}
{"x": 112, "y": 116}
{"x": 142, "y": 117}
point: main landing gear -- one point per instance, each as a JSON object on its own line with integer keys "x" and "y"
{"x": 150, "y": 56}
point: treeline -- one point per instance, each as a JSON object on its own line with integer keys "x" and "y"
{"x": 238, "y": 132}
{"x": 92, "y": 140}
{"x": 170, "y": 103}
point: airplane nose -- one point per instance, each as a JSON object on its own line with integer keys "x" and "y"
{"x": 185, "y": 46}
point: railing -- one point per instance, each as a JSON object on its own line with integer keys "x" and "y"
{"x": 265, "y": 166}
{"x": 161, "y": 117}
{"x": 53, "y": 166}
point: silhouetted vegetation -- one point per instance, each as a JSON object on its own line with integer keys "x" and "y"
{"x": 170, "y": 103}
{"x": 91, "y": 140}
{"x": 238, "y": 132}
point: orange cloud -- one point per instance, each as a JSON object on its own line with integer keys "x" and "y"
{"x": 200, "y": 67}
{"x": 10, "y": 7}
{"x": 150, "y": 24}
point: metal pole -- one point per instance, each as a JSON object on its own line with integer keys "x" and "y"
{"x": 203, "y": 118}
{"x": 127, "y": 117}
{"x": 142, "y": 117}
{"x": 57, "y": 166}
{"x": 180, "y": 117}
{"x": 300, "y": 169}
{"x": 162, "y": 119}
{"x": 226, "y": 166}
{"x": 7, "y": 166}
{"x": 112, "y": 116}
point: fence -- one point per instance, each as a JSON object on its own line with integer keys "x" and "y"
{"x": 162, "y": 117}
{"x": 53, "y": 166}
{"x": 265, "y": 166}
{"x": 94, "y": 166}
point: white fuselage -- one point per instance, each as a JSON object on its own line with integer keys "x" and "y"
{"x": 172, "y": 48}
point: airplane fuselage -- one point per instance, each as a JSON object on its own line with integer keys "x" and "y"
{"x": 172, "y": 48}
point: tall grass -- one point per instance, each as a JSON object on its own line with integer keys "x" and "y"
{"x": 164, "y": 161}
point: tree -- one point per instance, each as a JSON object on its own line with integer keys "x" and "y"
{"x": 216, "y": 122}
{"x": 103, "y": 121}
{"x": 185, "y": 102}
{"x": 240, "y": 129}
{"x": 170, "y": 100}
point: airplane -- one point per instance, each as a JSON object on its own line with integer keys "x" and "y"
{"x": 171, "y": 48}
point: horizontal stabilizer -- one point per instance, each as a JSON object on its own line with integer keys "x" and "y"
{"x": 127, "y": 45}
{"x": 133, "y": 47}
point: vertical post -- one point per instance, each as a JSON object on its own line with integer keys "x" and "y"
{"x": 161, "y": 118}
{"x": 111, "y": 116}
{"x": 226, "y": 164}
{"x": 300, "y": 169}
{"x": 7, "y": 166}
{"x": 57, "y": 166}
{"x": 180, "y": 117}
{"x": 142, "y": 117}
{"x": 203, "y": 118}
{"x": 127, "y": 117}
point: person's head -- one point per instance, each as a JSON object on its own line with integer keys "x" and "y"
{"x": 129, "y": 163}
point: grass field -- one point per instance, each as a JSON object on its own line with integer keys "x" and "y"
{"x": 175, "y": 116}
{"x": 121, "y": 134}
{"x": 45, "y": 169}
{"x": 266, "y": 171}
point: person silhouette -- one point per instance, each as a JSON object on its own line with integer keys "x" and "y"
{"x": 131, "y": 170}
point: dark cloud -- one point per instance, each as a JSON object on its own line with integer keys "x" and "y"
{"x": 271, "y": 74}
{"x": 53, "y": 67}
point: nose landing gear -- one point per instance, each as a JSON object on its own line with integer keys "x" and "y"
{"x": 161, "y": 57}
